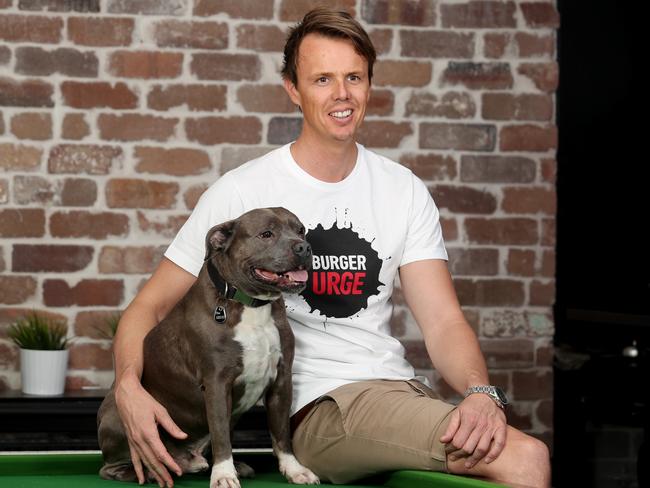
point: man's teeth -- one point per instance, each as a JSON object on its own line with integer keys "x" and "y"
{"x": 341, "y": 115}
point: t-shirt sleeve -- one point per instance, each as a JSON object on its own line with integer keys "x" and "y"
{"x": 219, "y": 203}
{"x": 424, "y": 234}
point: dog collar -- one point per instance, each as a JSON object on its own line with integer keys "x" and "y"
{"x": 230, "y": 291}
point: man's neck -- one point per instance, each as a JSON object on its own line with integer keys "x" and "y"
{"x": 330, "y": 163}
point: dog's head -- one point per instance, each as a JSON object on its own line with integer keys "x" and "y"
{"x": 263, "y": 252}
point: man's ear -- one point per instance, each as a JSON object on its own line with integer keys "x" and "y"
{"x": 292, "y": 91}
{"x": 219, "y": 238}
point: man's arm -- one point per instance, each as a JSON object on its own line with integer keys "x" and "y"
{"x": 477, "y": 428}
{"x": 138, "y": 410}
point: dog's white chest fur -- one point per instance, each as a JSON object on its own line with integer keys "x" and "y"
{"x": 260, "y": 341}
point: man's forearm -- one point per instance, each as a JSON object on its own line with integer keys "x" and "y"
{"x": 134, "y": 325}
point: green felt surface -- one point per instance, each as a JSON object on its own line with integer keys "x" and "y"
{"x": 80, "y": 470}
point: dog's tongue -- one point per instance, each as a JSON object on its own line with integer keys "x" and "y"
{"x": 298, "y": 275}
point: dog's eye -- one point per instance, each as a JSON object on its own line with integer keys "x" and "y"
{"x": 301, "y": 231}
{"x": 266, "y": 235}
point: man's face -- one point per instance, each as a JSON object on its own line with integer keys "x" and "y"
{"x": 333, "y": 88}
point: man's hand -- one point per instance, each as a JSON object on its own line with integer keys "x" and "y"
{"x": 140, "y": 414}
{"x": 477, "y": 430}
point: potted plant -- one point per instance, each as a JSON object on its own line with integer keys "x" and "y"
{"x": 43, "y": 344}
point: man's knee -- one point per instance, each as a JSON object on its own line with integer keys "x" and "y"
{"x": 532, "y": 465}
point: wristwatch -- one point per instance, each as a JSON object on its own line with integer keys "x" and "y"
{"x": 494, "y": 392}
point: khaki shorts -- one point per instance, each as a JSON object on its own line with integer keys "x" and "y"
{"x": 367, "y": 427}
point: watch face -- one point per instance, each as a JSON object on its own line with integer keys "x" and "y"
{"x": 501, "y": 395}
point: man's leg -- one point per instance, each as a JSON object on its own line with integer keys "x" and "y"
{"x": 524, "y": 462}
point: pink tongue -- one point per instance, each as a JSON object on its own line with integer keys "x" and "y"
{"x": 267, "y": 274}
{"x": 299, "y": 275}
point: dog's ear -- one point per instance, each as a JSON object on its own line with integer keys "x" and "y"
{"x": 219, "y": 237}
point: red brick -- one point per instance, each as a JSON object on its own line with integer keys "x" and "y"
{"x": 265, "y": 98}
{"x": 60, "y": 5}
{"x": 100, "y": 32}
{"x": 74, "y": 127}
{"x": 130, "y": 260}
{"x": 504, "y": 323}
{"x": 411, "y": 12}
{"x": 532, "y": 385}
{"x": 542, "y": 294}
{"x": 479, "y": 15}
{"x": 192, "y": 195}
{"x": 187, "y": 34}
{"x": 499, "y": 231}
{"x": 76, "y": 383}
{"x": 30, "y": 28}
{"x": 529, "y": 200}
{"x": 90, "y": 356}
{"x": 19, "y": 157}
{"x": 5, "y": 55}
{"x": 548, "y": 232}
{"x": 22, "y": 222}
{"x": 548, "y": 264}
{"x": 78, "y": 192}
{"x": 66, "y": 61}
{"x": 449, "y": 229}
{"x": 50, "y": 258}
{"x": 261, "y": 37}
{"x": 260, "y": 9}
{"x": 283, "y": 130}
{"x": 89, "y": 159}
{"x": 496, "y": 44}
{"x": 531, "y": 138}
{"x": 416, "y": 354}
{"x": 295, "y": 10}
{"x": 16, "y": 289}
{"x": 540, "y": 14}
{"x": 132, "y": 193}
{"x": 9, "y": 315}
{"x": 135, "y": 127}
{"x": 463, "y": 199}
{"x": 521, "y": 262}
{"x": 222, "y": 66}
{"x": 520, "y": 415}
{"x": 478, "y": 76}
{"x": 451, "y": 105}
{"x": 98, "y": 95}
{"x": 549, "y": 170}
{"x": 4, "y": 198}
{"x": 381, "y": 133}
{"x": 505, "y": 354}
{"x": 34, "y": 126}
{"x": 232, "y": 157}
{"x": 95, "y": 324}
{"x": 165, "y": 226}
{"x": 437, "y": 44}
{"x": 430, "y": 166}
{"x": 175, "y": 161}
{"x": 194, "y": 97}
{"x": 402, "y": 73}
{"x": 94, "y": 225}
{"x": 382, "y": 39}
{"x": 147, "y": 7}
{"x": 381, "y": 102}
{"x": 27, "y": 93}
{"x": 544, "y": 413}
{"x": 9, "y": 355}
{"x": 534, "y": 45}
{"x": 545, "y": 76}
{"x": 57, "y": 293}
{"x": 35, "y": 189}
{"x": 472, "y": 137}
{"x": 490, "y": 293}
{"x": 497, "y": 169}
{"x": 145, "y": 64}
{"x": 505, "y": 106}
{"x": 478, "y": 262}
{"x": 217, "y": 130}
{"x": 545, "y": 354}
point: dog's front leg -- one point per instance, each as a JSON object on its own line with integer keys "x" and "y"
{"x": 278, "y": 406}
{"x": 218, "y": 403}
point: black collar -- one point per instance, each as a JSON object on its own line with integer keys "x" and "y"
{"x": 230, "y": 291}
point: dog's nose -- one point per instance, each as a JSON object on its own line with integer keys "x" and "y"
{"x": 302, "y": 249}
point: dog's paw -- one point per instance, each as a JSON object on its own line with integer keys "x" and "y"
{"x": 244, "y": 470}
{"x": 295, "y": 472}
{"x": 224, "y": 475}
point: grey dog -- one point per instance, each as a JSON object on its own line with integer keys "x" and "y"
{"x": 224, "y": 346}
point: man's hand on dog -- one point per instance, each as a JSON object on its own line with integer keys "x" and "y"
{"x": 141, "y": 414}
{"x": 477, "y": 431}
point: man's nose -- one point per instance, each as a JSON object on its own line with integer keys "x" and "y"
{"x": 341, "y": 90}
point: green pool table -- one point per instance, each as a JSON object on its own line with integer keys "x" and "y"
{"x": 79, "y": 470}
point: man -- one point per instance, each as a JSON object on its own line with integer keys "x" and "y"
{"x": 357, "y": 407}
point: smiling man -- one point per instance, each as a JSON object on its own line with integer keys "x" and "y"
{"x": 358, "y": 408}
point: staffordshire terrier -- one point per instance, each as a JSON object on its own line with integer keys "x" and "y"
{"x": 224, "y": 346}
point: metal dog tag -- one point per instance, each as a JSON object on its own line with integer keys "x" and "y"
{"x": 220, "y": 314}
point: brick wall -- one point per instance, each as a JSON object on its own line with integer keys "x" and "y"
{"x": 116, "y": 114}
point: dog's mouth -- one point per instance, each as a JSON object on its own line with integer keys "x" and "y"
{"x": 286, "y": 279}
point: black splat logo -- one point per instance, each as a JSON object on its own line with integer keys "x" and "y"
{"x": 345, "y": 272}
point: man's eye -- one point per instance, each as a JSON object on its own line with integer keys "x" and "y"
{"x": 321, "y": 80}
{"x": 266, "y": 235}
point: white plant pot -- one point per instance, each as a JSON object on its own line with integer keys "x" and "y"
{"x": 43, "y": 372}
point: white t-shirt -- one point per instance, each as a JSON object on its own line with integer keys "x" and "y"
{"x": 361, "y": 230}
